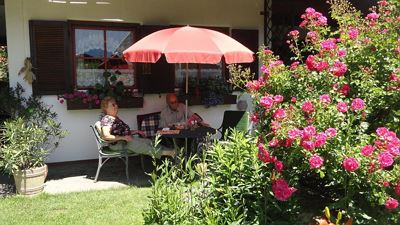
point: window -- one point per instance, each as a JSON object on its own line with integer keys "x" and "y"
{"x": 197, "y": 72}
{"x": 99, "y": 49}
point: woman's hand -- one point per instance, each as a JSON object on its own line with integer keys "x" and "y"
{"x": 139, "y": 132}
{"x": 127, "y": 138}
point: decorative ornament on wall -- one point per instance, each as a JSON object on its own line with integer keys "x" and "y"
{"x": 26, "y": 70}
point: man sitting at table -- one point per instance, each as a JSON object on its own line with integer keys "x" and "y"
{"x": 173, "y": 113}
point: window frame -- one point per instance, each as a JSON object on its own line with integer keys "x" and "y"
{"x": 104, "y": 27}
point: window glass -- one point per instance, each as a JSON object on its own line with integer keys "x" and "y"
{"x": 100, "y": 50}
{"x": 196, "y": 71}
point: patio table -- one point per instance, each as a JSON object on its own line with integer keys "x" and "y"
{"x": 195, "y": 134}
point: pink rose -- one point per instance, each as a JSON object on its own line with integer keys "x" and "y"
{"x": 263, "y": 154}
{"x": 308, "y": 132}
{"x": 307, "y": 107}
{"x": 391, "y": 203}
{"x": 310, "y": 63}
{"x": 273, "y": 143}
{"x": 341, "y": 53}
{"x": 382, "y": 131}
{"x": 325, "y": 99}
{"x": 321, "y": 66}
{"x": 397, "y": 188}
{"x": 385, "y": 159}
{"x": 312, "y": 36}
{"x": 278, "y": 166}
{"x": 267, "y": 51}
{"x": 281, "y": 190}
{"x": 338, "y": 69}
{"x": 350, "y": 164}
{"x": 372, "y": 16}
{"x": 294, "y": 133}
{"x": 342, "y": 107}
{"x": 294, "y": 33}
{"x": 353, "y": 33}
{"x": 320, "y": 139}
{"x": 357, "y": 104}
{"x": 308, "y": 145}
{"x": 279, "y": 114}
{"x": 293, "y": 99}
{"x": 278, "y": 98}
{"x": 345, "y": 89}
{"x": 294, "y": 65}
{"x": 367, "y": 150}
{"x": 331, "y": 132}
{"x": 267, "y": 101}
{"x": 328, "y": 45}
{"x": 316, "y": 161}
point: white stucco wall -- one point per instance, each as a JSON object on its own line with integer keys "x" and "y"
{"x": 80, "y": 144}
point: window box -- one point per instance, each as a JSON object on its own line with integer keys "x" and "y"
{"x": 134, "y": 102}
{"x": 196, "y": 100}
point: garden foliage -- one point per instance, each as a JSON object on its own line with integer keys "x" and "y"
{"x": 327, "y": 123}
{"x": 326, "y": 133}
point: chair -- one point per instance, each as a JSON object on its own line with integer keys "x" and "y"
{"x": 148, "y": 123}
{"x": 105, "y": 153}
{"x": 234, "y": 119}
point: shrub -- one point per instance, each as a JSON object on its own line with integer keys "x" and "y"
{"x": 327, "y": 123}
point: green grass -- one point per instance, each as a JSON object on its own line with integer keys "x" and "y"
{"x": 113, "y": 206}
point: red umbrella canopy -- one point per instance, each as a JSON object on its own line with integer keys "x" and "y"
{"x": 188, "y": 45}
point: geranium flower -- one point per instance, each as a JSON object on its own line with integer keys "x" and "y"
{"x": 308, "y": 132}
{"x": 273, "y": 143}
{"x": 281, "y": 190}
{"x": 312, "y": 36}
{"x": 391, "y": 203}
{"x": 310, "y": 63}
{"x": 315, "y": 161}
{"x": 350, "y": 164}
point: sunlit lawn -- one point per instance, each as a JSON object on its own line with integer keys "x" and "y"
{"x": 113, "y": 206}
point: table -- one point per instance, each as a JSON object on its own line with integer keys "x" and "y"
{"x": 197, "y": 133}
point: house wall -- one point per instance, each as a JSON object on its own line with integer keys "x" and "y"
{"x": 80, "y": 144}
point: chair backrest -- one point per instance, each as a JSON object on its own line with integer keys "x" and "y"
{"x": 234, "y": 119}
{"x": 148, "y": 123}
{"x": 99, "y": 141}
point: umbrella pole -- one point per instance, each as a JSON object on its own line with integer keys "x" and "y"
{"x": 186, "y": 102}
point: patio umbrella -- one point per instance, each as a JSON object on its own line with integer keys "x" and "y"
{"x": 188, "y": 45}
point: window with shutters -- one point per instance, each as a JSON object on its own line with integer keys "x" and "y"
{"x": 97, "y": 49}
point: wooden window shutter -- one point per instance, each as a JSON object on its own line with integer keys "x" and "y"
{"x": 248, "y": 38}
{"x": 159, "y": 77}
{"x": 50, "y": 56}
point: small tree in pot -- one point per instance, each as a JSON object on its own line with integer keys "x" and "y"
{"x": 26, "y": 140}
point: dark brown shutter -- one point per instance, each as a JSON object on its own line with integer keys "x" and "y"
{"x": 248, "y": 38}
{"x": 161, "y": 77}
{"x": 50, "y": 56}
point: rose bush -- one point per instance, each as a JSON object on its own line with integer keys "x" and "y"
{"x": 332, "y": 115}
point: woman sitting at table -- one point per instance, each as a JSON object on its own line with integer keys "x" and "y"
{"x": 115, "y": 130}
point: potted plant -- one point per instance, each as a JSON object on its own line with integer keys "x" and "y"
{"x": 26, "y": 140}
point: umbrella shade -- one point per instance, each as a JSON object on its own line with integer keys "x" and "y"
{"x": 188, "y": 45}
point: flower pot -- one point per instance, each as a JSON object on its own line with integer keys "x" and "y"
{"x": 30, "y": 181}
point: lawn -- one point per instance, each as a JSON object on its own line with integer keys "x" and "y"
{"x": 112, "y": 206}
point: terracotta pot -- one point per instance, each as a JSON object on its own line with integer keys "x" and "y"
{"x": 30, "y": 181}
